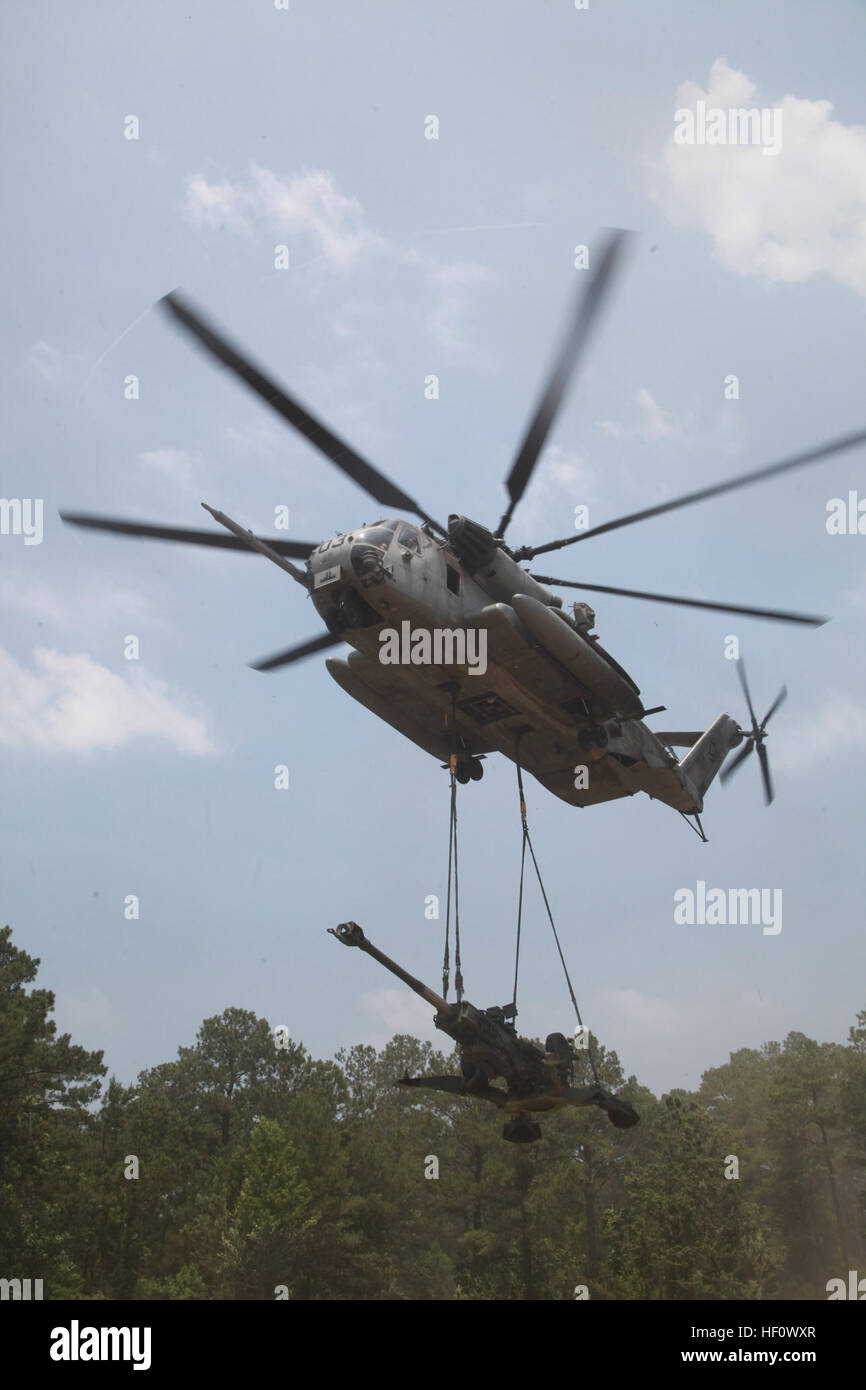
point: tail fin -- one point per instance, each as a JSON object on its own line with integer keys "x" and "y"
{"x": 700, "y": 765}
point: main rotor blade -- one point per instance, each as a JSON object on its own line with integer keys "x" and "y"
{"x": 290, "y": 654}
{"x": 380, "y": 488}
{"x": 584, "y": 316}
{"x": 822, "y": 451}
{"x": 774, "y": 706}
{"x": 735, "y": 762}
{"x": 779, "y": 615}
{"x": 293, "y": 550}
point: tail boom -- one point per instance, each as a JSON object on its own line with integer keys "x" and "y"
{"x": 699, "y": 767}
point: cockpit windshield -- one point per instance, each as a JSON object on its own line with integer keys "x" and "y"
{"x": 380, "y": 535}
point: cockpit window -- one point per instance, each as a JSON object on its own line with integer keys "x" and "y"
{"x": 408, "y": 536}
{"x": 380, "y": 536}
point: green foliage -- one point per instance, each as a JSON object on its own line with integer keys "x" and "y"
{"x": 271, "y": 1215}
{"x": 262, "y": 1169}
{"x": 46, "y": 1086}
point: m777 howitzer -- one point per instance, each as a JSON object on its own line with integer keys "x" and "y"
{"x": 490, "y": 1047}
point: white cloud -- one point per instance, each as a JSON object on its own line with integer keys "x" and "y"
{"x": 258, "y": 436}
{"x": 212, "y": 204}
{"x": 87, "y": 1015}
{"x": 400, "y": 1012}
{"x": 311, "y": 204}
{"x": 51, "y": 365}
{"x": 308, "y": 205}
{"x": 46, "y": 361}
{"x": 650, "y": 1015}
{"x": 310, "y": 208}
{"x": 654, "y": 422}
{"x": 857, "y": 597}
{"x": 563, "y": 479}
{"x": 70, "y": 703}
{"x": 452, "y": 285}
{"x": 95, "y": 601}
{"x": 838, "y": 728}
{"x": 787, "y": 216}
{"x": 175, "y": 465}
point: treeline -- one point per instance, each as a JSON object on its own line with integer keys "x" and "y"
{"x": 243, "y": 1170}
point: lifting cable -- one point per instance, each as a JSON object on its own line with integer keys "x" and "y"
{"x": 452, "y": 862}
{"x": 527, "y": 842}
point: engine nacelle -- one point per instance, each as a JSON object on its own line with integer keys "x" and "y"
{"x": 492, "y": 569}
{"x": 578, "y": 655}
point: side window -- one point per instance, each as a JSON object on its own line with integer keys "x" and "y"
{"x": 408, "y": 537}
{"x": 452, "y": 578}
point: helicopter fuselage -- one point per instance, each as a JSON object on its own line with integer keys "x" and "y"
{"x": 462, "y": 651}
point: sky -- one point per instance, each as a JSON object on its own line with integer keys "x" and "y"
{"x": 149, "y": 148}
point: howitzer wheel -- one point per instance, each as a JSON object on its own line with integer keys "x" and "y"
{"x": 521, "y": 1130}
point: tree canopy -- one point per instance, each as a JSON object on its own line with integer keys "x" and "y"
{"x": 247, "y": 1169}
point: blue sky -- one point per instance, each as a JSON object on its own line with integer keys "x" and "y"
{"x": 410, "y": 256}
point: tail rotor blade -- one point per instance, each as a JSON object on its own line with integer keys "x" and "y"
{"x": 755, "y": 737}
{"x": 741, "y": 672}
{"x": 736, "y": 761}
{"x": 765, "y": 772}
{"x": 782, "y": 695}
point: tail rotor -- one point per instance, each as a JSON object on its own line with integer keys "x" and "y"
{"x": 755, "y": 736}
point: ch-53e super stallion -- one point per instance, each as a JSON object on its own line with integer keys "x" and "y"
{"x": 546, "y": 693}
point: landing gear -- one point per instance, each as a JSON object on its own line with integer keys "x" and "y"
{"x": 469, "y": 770}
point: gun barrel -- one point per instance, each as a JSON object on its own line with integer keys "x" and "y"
{"x": 351, "y": 935}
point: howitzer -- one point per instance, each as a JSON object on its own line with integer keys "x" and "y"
{"x": 490, "y": 1047}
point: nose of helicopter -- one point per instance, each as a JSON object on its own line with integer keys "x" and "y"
{"x": 328, "y": 562}
{"x": 354, "y": 553}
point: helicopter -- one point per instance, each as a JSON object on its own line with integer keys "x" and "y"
{"x": 409, "y": 594}
{"x": 537, "y": 1082}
